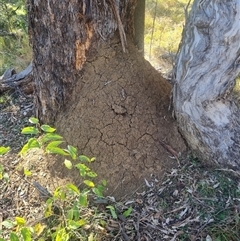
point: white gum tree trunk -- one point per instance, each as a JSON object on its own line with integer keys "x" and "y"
{"x": 205, "y": 74}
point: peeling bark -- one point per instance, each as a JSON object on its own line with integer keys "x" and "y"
{"x": 205, "y": 73}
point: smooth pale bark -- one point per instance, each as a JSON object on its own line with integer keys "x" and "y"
{"x": 21, "y": 81}
{"x": 205, "y": 73}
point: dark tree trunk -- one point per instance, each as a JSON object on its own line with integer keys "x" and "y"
{"x": 102, "y": 95}
{"x": 62, "y": 35}
{"x": 205, "y": 75}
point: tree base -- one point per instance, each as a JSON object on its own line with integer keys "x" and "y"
{"x": 118, "y": 113}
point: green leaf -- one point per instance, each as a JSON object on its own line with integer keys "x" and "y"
{"x": 72, "y": 151}
{"x": 68, "y": 164}
{"x": 30, "y": 130}
{"x": 57, "y": 150}
{"x": 70, "y": 214}
{"x": 8, "y": 224}
{"x": 33, "y": 120}
{"x": 1, "y": 171}
{"x": 52, "y": 147}
{"x": 38, "y": 228}
{"x": 26, "y": 234}
{"x": 83, "y": 169}
{"x": 62, "y": 235}
{"x": 76, "y": 212}
{"x": 73, "y": 188}
{"x": 89, "y": 183}
{"x": 76, "y": 224}
{"x": 54, "y": 144}
{"x": 97, "y": 192}
{"x": 91, "y": 174}
{"x": 4, "y": 150}
{"x": 23, "y": 150}
{"x": 48, "y": 211}
{"x": 104, "y": 182}
{"x": 92, "y": 159}
{"x": 51, "y": 137}
{"x": 84, "y": 158}
{"x": 73, "y": 213}
{"x": 112, "y": 210}
{"x": 20, "y": 221}
{"x": 81, "y": 222}
{"x": 59, "y": 193}
{"x": 103, "y": 223}
{"x": 47, "y": 128}
{"x": 14, "y": 237}
{"x": 33, "y": 143}
{"x": 91, "y": 237}
{"x": 83, "y": 200}
{"x": 27, "y": 173}
{"x": 127, "y": 212}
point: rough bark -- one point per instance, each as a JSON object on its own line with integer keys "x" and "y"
{"x": 104, "y": 97}
{"x": 62, "y": 34}
{"x": 205, "y": 73}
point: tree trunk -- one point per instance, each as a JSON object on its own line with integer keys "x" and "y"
{"x": 139, "y": 20}
{"x": 103, "y": 96}
{"x": 63, "y": 34}
{"x": 205, "y": 74}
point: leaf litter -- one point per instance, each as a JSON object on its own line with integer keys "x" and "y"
{"x": 191, "y": 202}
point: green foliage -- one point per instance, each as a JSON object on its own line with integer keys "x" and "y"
{"x": 164, "y": 38}
{"x": 66, "y": 211}
{"x": 113, "y": 211}
{"x": 164, "y": 21}
{"x": 69, "y": 215}
{"x": 4, "y": 150}
{"x": 127, "y": 212}
{"x": 114, "y": 214}
{"x": 14, "y": 47}
{"x": 30, "y": 130}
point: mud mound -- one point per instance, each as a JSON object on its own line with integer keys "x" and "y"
{"x": 119, "y": 113}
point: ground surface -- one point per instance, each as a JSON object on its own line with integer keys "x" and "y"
{"x": 122, "y": 118}
{"x": 189, "y": 202}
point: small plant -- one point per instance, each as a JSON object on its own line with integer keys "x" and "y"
{"x": 47, "y": 139}
{"x": 67, "y": 213}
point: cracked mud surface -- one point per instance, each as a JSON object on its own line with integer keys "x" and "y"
{"x": 119, "y": 114}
